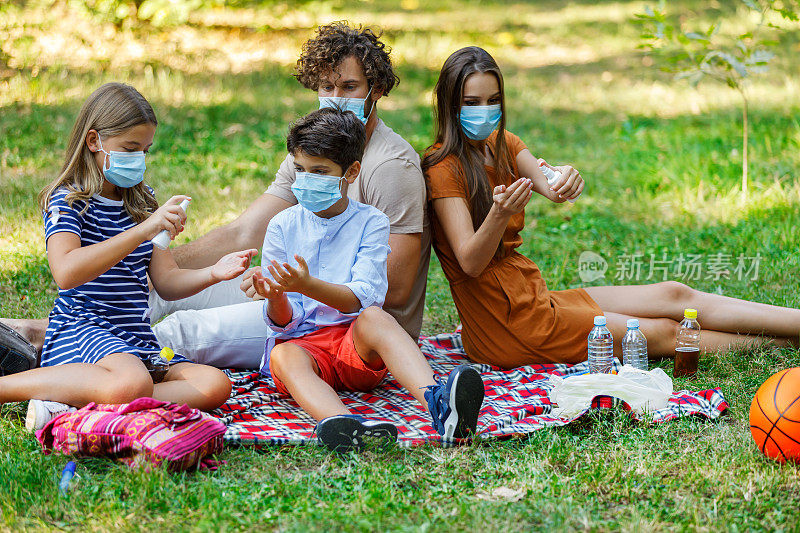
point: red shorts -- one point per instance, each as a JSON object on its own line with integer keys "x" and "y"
{"x": 338, "y": 361}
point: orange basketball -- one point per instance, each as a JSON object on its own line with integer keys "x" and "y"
{"x": 775, "y": 416}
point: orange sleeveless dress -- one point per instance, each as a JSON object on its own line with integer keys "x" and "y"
{"x": 509, "y": 318}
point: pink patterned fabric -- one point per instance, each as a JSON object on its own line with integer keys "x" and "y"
{"x": 142, "y": 433}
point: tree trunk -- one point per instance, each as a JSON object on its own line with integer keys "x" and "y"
{"x": 745, "y": 131}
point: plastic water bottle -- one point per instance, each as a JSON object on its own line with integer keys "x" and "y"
{"x": 687, "y": 345}
{"x": 634, "y": 346}
{"x": 601, "y": 347}
{"x": 162, "y": 240}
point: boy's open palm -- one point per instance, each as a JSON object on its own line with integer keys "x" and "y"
{"x": 289, "y": 278}
{"x": 232, "y": 265}
{"x": 265, "y": 287}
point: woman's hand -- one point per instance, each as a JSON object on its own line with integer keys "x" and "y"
{"x": 568, "y": 187}
{"x": 511, "y": 200}
{"x": 265, "y": 287}
{"x": 231, "y": 265}
{"x": 291, "y": 279}
{"x": 168, "y": 217}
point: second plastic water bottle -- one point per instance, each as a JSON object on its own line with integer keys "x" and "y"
{"x": 601, "y": 347}
{"x": 634, "y": 346}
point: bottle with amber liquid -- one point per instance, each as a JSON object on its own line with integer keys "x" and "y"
{"x": 687, "y": 345}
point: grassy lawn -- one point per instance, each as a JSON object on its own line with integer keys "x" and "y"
{"x": 662, "y": 164}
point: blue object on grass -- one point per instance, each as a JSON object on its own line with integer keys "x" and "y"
{"x": 66, "y": 477}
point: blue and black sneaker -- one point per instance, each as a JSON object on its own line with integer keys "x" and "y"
{"x": 342, "y": 433}
{"x": 454, "y": 406}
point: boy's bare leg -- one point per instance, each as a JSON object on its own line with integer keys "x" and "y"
{"x": 116, "y": 378}
{"x": 31, "y": 329}
{"x": 378, "y": 337}
{"x": 200, "y": 386}
{"x": 300, "y": 375}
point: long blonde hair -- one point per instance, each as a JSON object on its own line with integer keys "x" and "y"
{"x": 110, "y": 110}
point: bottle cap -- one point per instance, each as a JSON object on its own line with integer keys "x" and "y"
{"x": 633, "y": 323}
{"x": 167, "y": 353}
{"x": 600, "y": 320}
{"x": 690, "y": 313}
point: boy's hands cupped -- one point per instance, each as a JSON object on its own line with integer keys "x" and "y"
{"x": 265, "y": 287}
{"x": 232, "y": 265}
{"x": 289, "y": 278}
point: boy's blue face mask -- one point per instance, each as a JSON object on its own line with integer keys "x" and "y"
{"x": 125, "y": 169}
{"x": 356, "y": 105}
{"x": 478, "y": 121}
{"x": 316, "y": 192}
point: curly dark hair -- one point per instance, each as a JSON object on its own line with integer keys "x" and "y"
{"x": 337, "y": 41}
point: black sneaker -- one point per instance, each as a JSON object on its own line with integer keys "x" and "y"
{"x": 342, "y": 433}
{"x": 16, "y": 353}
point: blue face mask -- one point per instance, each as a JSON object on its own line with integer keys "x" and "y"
{"x": 478, "y": 121}
{"x": 356, "y": 105}
{"x": 316, "y": 192}
{"x": 125, "y": 169}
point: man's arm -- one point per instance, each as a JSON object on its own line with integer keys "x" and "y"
{"x": 247, "y": 231}
{"x": 402, "y": 266}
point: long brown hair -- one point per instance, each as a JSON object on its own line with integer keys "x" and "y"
{"x": 449, "y": 134}
{"x": 111, "y": 110}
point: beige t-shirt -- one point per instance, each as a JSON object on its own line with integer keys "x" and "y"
{"x": 390, "y": 180}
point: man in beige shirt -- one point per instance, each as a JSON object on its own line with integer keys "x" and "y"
{"x": 223, "y": 326}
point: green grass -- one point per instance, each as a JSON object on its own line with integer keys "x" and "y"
{"x": 661, "y": 162}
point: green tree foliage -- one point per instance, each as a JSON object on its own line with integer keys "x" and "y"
{"x": 734, "y": 59}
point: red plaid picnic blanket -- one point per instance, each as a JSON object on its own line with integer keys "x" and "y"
{"x": 516, "y": 403}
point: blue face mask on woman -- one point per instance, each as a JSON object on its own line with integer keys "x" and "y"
{"x": 356, "y": 105}
{"x": 125, "y": 169}
{"x": 478, "y": 121}
{"x": 316, "y": 192}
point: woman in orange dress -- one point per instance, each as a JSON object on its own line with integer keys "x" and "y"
{"x": 480, "y": 178}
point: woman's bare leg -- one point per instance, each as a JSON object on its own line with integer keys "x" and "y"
{"x": 715, "y": 312}
{"x": 200, "y": 386}
{"x": 662, "y": 332}
{"x": 116, "y": 378}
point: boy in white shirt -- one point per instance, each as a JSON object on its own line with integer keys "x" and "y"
{"x": 326, "y": 261}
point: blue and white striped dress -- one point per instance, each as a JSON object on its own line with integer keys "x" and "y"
{"x": 108, "y": 314}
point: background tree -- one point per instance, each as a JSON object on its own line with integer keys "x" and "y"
{"x": 731, "y": 58}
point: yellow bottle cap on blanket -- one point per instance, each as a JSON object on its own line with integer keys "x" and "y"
{"x": 690, "y": 313}
{"x": 167, "y": 353}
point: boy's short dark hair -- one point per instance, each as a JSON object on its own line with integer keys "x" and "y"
{"x": 330, "y": 133}
{"x": 337, "y": 41}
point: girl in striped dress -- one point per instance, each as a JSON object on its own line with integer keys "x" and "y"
{"x": 99, "y": 218}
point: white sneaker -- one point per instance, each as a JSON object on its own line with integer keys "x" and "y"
{"x": 40, "y": 412}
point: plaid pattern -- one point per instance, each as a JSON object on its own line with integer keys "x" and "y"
{"x": 516, "y": 403}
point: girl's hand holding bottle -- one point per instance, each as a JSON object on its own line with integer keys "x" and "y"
{"x": 170, "y": 217}
{"x": 511, "y": 200}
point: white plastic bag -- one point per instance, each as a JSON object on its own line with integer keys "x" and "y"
{"x": 644, "y": 390}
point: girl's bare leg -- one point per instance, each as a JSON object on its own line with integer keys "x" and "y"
{"x": 662, "y": 332}
{"x": 715, "y": 312}
{"x": 378, "y": 337}
{"x": 200, "y": 386}
{"x": 116, "y": 378}
{"x": 299, "y": 373}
